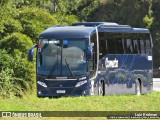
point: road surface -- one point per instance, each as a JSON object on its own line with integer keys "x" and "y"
{"x": 156, "y": 84}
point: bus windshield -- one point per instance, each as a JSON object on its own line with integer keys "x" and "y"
{"x": 65, "y": 57}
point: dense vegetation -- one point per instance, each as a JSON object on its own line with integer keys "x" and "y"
{"x": 21, "y": 21}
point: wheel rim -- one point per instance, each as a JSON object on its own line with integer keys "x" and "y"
{"x": 100, "y": 89}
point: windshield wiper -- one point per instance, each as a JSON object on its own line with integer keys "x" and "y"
{"x": 53, "y": 69}
{"x": 54, "y": 66}
{"x": 68, "y": 67}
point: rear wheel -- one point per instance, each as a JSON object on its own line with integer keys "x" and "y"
{"x": 102, "y": 88}
{"x": 138, "y": 87}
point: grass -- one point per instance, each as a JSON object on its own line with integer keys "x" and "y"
{"x": 147, "y": 102}
{"x": 150, "y": 102}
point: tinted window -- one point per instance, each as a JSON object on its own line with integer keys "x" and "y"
{"x": 119, "y": 46}
{"x": 136, "y": 47}
{"x": 148, "y": 47}
{"x": 142, "y": 46}
{"x": 124, "y": 43}
{"x": 102, "y": 48}
{"x": 92, "y": 64}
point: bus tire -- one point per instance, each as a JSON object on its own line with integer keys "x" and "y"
{"x": 138, "y": 87}
{"x": 102, "y": 88}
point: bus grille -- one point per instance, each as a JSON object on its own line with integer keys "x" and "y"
{"x": 68, "y": 83}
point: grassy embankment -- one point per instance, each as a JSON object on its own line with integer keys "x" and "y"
{"x": 148, "y": 102}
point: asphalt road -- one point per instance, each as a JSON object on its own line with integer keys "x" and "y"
{"x": 156, "y": 84}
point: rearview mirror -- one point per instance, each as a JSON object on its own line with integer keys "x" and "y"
{"x": 31, "y": 53}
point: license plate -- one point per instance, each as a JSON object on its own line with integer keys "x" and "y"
{"x": 61, "y": 91}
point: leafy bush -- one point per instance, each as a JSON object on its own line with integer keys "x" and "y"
{"x": 5, "y": 60}
{"x": 16, "y": 41}
{"x": 10, "y": 86}
{"x": 10, "y": 26}
{"x": 16, "y": 75}
{"x": 25, "y": 71}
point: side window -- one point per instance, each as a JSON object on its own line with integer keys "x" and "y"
{"x": 92, "y": 64}
{"x": 129, "y": 48}
{"x": 127, "y": 43}
{"x": 142, "y": 46}
{"x": 111, "y": 46}
{"x": 119, "y": 46}
{"x": 136, "y": 47}
{"x": 115, "y": 46}
{"x": 132, "y": 46}
{"x": 115, "y": 43}
{"x": 102, "y": 48}
{"x": 148, "y": 47}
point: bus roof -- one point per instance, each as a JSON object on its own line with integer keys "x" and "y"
{"x": 121, "y": 29}
{"x": 140, "y": 30}
{"x": 85, "y": 29}
{"x": 112, "y": 27}
{"x": 93, "y": 24}
{"x": 61, "y": 32}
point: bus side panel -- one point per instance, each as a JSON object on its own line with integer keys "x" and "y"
{"x": 120, "y": 72}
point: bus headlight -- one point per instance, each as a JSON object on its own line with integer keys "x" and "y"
{"x": 81, "y": 83}
{"x": 42, "y": 83}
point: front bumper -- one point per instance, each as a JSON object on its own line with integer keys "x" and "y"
{"x": 69, "y": 91}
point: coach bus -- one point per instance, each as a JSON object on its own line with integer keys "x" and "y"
{"x": 93, "y": 58}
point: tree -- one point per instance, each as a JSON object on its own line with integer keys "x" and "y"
{"x": 148, "y": 19}
{"x": 7, "y": 22}
{"x": 80, "y": 8}
{"x": 65, "y": 19}
{"x": 34, "y": 21}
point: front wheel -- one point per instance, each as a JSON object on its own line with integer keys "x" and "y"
{"x": 138, "y": 88}
{"x": 102, "y": 88}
